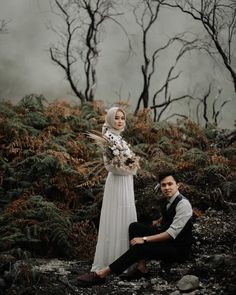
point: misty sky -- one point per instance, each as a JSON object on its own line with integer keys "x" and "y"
{"x": 25, "y": 65}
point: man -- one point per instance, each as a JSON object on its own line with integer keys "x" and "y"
{"x": 172, "y": 241}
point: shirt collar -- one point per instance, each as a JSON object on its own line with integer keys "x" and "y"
{"x": 171, "y": 200}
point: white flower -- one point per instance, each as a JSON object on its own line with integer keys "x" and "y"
{"x": 116, "y": 152}
{"x": 127, "y": 153}
{"x": 119, "y": 146}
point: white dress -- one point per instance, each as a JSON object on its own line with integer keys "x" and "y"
{"x": 118, "y": 211}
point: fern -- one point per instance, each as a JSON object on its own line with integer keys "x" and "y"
{"x": 56, "y": 144}
{"x": 43, "y": 151}
{"x": 165, "y": 144}
{"x": 55, "y": 223}
{"x": 160, "y": 126}
{"x": 37, "y": 221}
{"x": 5, "y": 167}
{"x": 7, "y": 109}
{"x": 84, "y": 231}
{"x": 214, "y": 174}
{"x": 39, "y": 165}
{"x": 141, "y": 149}
{"x": 32, "y": 102}
{"x": 88, "y": 111}
{"x": 35, "y": 119}
{"x": 60, "y": 229}
{"x": 193, "y": 134}
{"x": 229, "y": 189}
{"x": 14, "y": 129}
{"x": 196, "y": 156}
{"x": 229, "y": 152}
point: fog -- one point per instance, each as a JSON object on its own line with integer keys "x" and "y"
{"x": 26, "y": 67}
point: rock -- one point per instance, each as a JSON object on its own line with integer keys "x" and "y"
{"x": 232, "y": 288}
{"x": 6, "y": 258}
{"x": 188, "y": 283}
{"x": 212, "y": 262}
{"x": 154, "y": 281}
{"x": 2, "y": 283}
{"x": 219, "y": 260}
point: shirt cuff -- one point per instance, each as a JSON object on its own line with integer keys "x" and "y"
{"x": 171, "y": 232}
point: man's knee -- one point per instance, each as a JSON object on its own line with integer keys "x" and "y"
{"x": 133, "y": 227}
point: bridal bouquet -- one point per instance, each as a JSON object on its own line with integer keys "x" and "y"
{"x": 117, "y": 153}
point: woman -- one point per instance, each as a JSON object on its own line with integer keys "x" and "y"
{"x": 118, "y": 207}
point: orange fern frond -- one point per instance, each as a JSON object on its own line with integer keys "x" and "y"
{"x": 18, "y": 205}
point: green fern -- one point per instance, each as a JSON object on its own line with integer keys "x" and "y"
{"x": 160, "y": 126}
{"x": 7, "y": 109}
{"x": 38, "y": 166}
{"x": 60, "y": 229}
{"x": 32, "y": 102}
{"x": 214, "y": 174}
{"x": 197, "y": 156}
{"x": 229, "y": 188}
{"x": 38, "y": 220}
{"x": 88, "y": 111}
{"x": 35, "y": 119}
{"x": 14, "y": 129}
{"x": 165, "y": 144}
{"x": 229, "y": 152}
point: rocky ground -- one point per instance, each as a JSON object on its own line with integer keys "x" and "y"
{"x": 211, "y": 269}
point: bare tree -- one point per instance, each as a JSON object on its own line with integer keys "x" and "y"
{"x": 3, "y": 26}
{"x": 149, "y": 14}
{"x": 208, "y": 110}
{"x": 218, "y": 18}
{"x": 79, "y": 41}
{"x": 217, "y": 111}
{"x": 146, "y": 14}
{"x": 167, "y": 100}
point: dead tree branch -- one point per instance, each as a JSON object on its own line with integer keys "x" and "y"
{"x": 78, "y": 47}
{"x": 218, "y": 18}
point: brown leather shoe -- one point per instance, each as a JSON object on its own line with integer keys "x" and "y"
{"x": 90, "y": 279}
{"x": 134, "y": 274}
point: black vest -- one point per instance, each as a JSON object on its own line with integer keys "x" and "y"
{"x": 185, "y": 237}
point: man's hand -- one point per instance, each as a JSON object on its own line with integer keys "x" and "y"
{"x": 136, "y": 241}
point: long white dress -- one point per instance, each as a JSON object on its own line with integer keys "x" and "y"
{"x": 118, "y": 211}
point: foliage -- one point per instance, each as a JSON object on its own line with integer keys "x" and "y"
{"x": 52, "y": 175}
{"x": 229, "y": 152}
{"x": 84, "y": 231}
{"x": 36, "y": 225}
{"x": 197, "y": 156}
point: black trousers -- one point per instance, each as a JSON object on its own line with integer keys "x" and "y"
{"x": 164, "y": 250}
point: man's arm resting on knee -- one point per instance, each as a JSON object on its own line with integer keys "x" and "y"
{"x": 151, "y": 239}
{"x": 183, "y": 214}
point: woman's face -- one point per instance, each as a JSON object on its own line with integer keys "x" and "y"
{"x": 119, "y": 120}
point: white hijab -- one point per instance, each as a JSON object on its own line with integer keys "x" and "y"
{"x": 110, "y": 121}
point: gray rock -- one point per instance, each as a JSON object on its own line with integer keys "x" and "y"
{"x": 219, "y": 260}
{"x": 2, "y": 283}
{"x": 188, "y": 282}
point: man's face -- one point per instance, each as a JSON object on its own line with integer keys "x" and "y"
{"x": 169, "y": 187}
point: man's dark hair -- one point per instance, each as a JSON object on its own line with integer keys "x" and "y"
{"x": 163, "y": 174}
